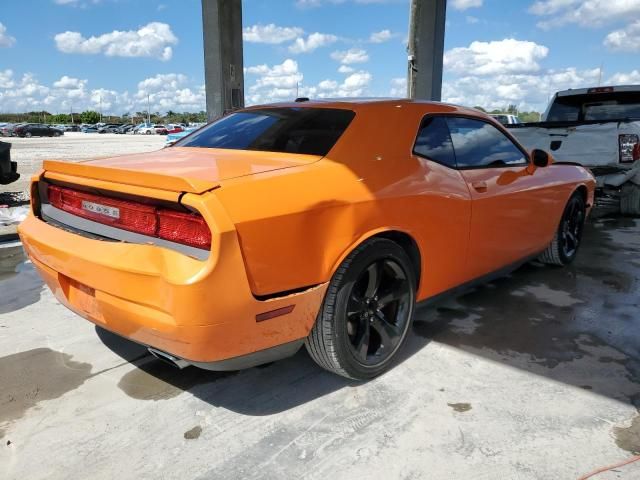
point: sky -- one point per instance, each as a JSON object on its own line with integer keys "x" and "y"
{"x": 59, "y": 55}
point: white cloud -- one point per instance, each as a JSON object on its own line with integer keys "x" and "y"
{"x": 586, "y": 13}
{"x": 470, "y": 19}
{"x": 497, "y": 57}
{"x": 166, "y": 92}
{"x": 626, "y": 39}
{"x": 328, "y": 85}
{"x": 274, "y": 83}
{"x": 152, "y": 40}
{"x": 398, "y": 87}
{"x": 466, "y": 4}
{"x": 526, "y": 90}
{"x": 351, "y": 56}
{"x": 312, "y": 42}
{"x": 271, "y": 33}
{"x": 162, "y": 82}
{"x": 355, "y": 85}
{"x": 6, "y": 40}
{"x": 345, "y": 69}
{"x": 630, "y": 78}
{"x": 69, "y": 83}
{"x": 6, "y": 79}
{"x": 381, "y": 36}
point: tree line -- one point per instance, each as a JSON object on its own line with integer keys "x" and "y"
{"x": 91, "y": 117}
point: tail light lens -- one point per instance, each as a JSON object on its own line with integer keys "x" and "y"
{"x": 185, "y": 228}
{"x": 629, "y": 147}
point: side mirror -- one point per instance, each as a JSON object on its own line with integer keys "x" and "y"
{"x": 540, "y": 158}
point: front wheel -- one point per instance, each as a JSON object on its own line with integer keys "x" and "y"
{"x": 366, "y": 313}
{"x": 28, "y": 134}
{"x": 566, "y": 241}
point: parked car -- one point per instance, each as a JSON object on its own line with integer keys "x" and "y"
{"x": 506, "y": 118}
{"x": 174, "y": 128}
{"x": 122, "y": 129}
{"x": 72, "y": 128}
{"x": 145, "y": 129}
{"x": 316, "y": 223}
{"x": 36, "y": 130}
{"x": 89, "y": 129}
{"x": 172, "y": 138}
{"x": 109, "y": 128}
{"x": 7, "y": 130}
{"x": 160, "y": 129}
{"x": 598, "y": 128}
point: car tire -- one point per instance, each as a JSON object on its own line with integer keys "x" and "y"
{"x": 148, "y": 132}
{"x": 369, "y": 301}
{"x": 630, "y": 200}
{"x": 56, "y": 134}
{"x": 28, "y": 134}
{"x": 566, "y": 241}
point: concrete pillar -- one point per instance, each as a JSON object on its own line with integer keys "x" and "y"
{"x": 426, "y": 49}
{"x": 223, "y": 65}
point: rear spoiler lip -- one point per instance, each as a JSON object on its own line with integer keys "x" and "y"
{"x": 131, "y": 177}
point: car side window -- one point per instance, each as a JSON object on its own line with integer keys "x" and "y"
{"x": 434, "y": 142}
{"x": 479, "y": 144}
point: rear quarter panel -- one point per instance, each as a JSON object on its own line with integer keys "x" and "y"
{"x": 296, "y": 225}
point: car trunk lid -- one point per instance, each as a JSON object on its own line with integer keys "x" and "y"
{"x": 180, "y": 169}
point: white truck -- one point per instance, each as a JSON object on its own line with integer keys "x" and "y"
{"x": 506, "y": 118}
{"x": 598, "y": 128}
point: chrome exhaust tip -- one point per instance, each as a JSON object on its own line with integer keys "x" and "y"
{"x": 168, "y": 358}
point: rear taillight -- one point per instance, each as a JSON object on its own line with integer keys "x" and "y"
{"x": 629, "y": 147}
{"x": 185, "y": 228}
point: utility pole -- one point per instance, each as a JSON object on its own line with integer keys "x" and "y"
{"x": 148, "y": 111}
{"x": 100, "y": 108}
{"x": 71, "y": 112}
{"x": 426, "y": 49}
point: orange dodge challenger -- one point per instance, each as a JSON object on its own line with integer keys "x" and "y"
{"x": 312, "y": 222}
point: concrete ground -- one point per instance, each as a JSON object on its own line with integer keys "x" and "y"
{"x": 535, "y": 376}
{"x": 73, "y": 147}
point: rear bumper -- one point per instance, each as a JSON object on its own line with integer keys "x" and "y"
{"x": 202, "y": 312}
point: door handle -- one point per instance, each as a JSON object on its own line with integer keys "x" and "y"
{"x": 479, "y": 187}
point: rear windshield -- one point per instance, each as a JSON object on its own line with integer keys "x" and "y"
{"x": 596, "y": 106}
{"x": 310, "y": 131}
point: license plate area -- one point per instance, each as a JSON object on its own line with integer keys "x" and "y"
{"x": 107, "y": 211}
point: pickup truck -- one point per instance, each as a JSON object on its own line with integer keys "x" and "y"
{"x": 598, "y": 128}
{"x": 506, "y": 118}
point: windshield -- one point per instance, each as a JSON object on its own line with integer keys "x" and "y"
{"x": 310, "y": 131}
{"x": 596, "y": 106}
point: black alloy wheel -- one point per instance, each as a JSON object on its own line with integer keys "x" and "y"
{"x": 367, "y": 311}
{"x": 566, "y": 241}
{"x": 378, "y": 311}
{"x": 571, "y": 228}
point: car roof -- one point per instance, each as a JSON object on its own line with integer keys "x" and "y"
{"x": 365, "y": 103}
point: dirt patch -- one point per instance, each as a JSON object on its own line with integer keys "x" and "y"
{"x": 30, "y": 377}
{"x": 460, "y": 407}
{"x": 629, "y": 438}
{"x": 193, "y": 433}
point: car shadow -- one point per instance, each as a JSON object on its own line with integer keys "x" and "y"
{"x": 577, "y": 325}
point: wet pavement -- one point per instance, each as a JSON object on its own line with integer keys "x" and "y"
{"x": 533, "y": 376}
